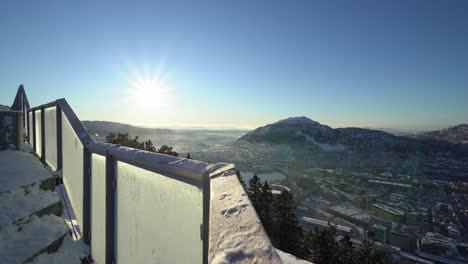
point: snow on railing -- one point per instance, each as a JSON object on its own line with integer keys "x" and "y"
{"x": 137, "y": 206}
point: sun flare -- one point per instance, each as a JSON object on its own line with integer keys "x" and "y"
{"x": 148, "y": 91}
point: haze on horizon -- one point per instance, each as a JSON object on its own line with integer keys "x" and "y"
{"x": 395, "y": 64}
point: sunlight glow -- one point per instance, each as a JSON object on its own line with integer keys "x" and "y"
{"x": 148, "y": 91}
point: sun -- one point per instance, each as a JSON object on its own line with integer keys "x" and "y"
{"x": 148, "y": 91}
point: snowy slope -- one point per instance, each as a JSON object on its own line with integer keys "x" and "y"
{"x": 71, "y": 252}
{"x": 455, "y": 134}
{"x": 290, "y": 259}
{"x": 236, "y": 234}
{"x": 22, "y": 202}
{"x": 19, "y": 242}
{"x": 20, "y": 169}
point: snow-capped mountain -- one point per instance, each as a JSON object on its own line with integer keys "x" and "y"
{"x": 302, "y": 131}
{"x": 455, "y": 134}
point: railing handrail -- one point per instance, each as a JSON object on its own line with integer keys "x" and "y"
{"x": 156, "y": 162}
{"x": 183, "y": 170}
{"x": 196, "y": 173}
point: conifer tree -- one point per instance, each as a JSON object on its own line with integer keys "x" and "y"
{"x": 149, "y": 146}
{"x": 188, "y": 156}
{"x": 289, "y": 233}
{"x": 242, "y": 182}
{"x": 254, "y": 192}
{"x": 324, "y": 246}
{"x": 164, "y": 149}
{"x": 346, "y": 252}
{"x": 266, "y": 205}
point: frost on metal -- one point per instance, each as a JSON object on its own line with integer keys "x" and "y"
{"x": 50, "y": 120}
{"x": 98, "y": 208}
{"x": 158, "y": 218}
{"x": 163, "y": 163}
{"x": 72, "y": 169}
{"x": 236, "y": 233}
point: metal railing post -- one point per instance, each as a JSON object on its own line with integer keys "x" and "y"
{"x": 34, "y": 130}
{"x": 59, "y": 137}
{"x": 29, "y": 127}
{"x": 86, "y": 195}
{"x": 110, "y": 208}
{"x": 206, "y": 216}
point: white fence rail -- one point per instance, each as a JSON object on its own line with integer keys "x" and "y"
{"x": 133, "y": 206}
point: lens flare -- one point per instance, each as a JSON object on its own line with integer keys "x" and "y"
{"x": 147, "y": 90}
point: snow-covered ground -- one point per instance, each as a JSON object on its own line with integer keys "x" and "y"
{"x": 69, "y": 252}
{"x": 21, "y": 202}
{"x": 323, "y": 146}
{"x": 18, "y": 169}
{"x": 236, "y": 234}
{"x": 26, "y": 234}
{"x": 281, "y": 186}
{"x": 20, "y": 242}
{"x": 290, "y": 259}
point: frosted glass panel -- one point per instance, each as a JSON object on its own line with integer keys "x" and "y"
{"x": 50, "y": 116}
{"x": 38, "y": 133}
{"x": 72, "y": 163}
{"x": 98, "y": 209}
{"x": 31, "y": 138}
{"x": 157, "y": 219}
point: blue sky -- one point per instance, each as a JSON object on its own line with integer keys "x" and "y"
{"x": 394, "y": 64}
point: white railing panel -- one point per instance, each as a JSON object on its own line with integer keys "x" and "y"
{"x": 72, "y": 168}
{"x": 38, "y": 132}
{"x": 98, "y": 208}
{"x": 31, "y": 138}
{"x": 158, "y": 218}
{"x": 50, "y": 121}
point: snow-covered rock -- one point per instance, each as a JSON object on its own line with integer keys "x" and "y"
{"x": 20, "y": 242}
{"x": 290, "y": 259}
{"x": 22, "y": 202}
{"x": 236, "y": 233}
{"x": 70, "y": 251}
{"x": 19, "y": 169}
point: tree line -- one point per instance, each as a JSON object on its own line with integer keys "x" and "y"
{"x": 278, "y": 216}
{"x": 127, "y": 141}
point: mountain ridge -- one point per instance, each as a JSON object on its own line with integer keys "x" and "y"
{"x": 305, "y": 132}
{"x": 103, "y": 128}
{"x": 454, "y": 134}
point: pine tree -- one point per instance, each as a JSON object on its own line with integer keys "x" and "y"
{"x": 188, "y": 156}
{"x": 127, "y": 141}
{"x": 266, "y": 201}
{"x": 369, "y": 253}
{"x": 149, "y": 146}
{"x": 346, "y": 252}
{"x": 254, "y": 192}
{"x": 325, "y": 246}
{"x": 164, "y": 149}
{"x": 239, "y": 176}
{"x": 287, "y": 230}
{"x": 306, "y": 246}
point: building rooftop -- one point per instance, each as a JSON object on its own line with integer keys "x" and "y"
{"x": 389, "y": 209}
{"x": 325, "y": 224}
